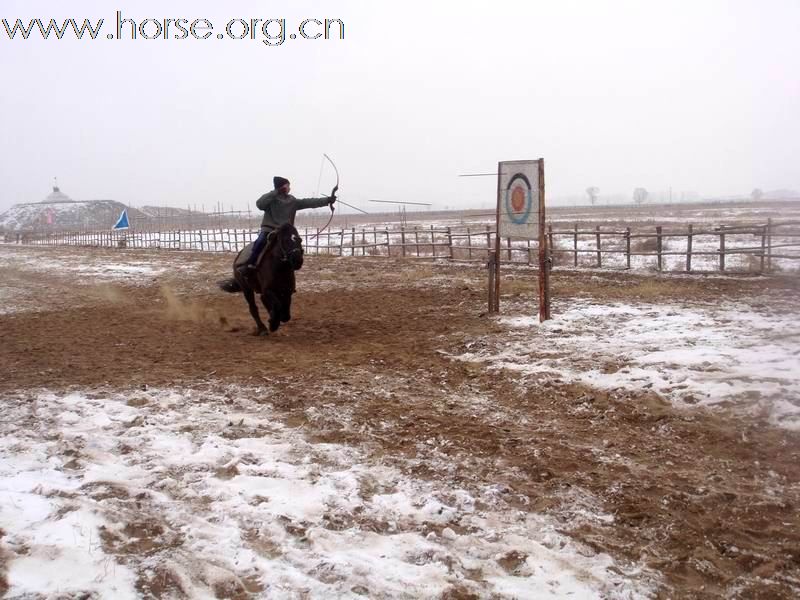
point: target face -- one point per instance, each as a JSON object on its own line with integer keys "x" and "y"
{"x": 519, "y": 199}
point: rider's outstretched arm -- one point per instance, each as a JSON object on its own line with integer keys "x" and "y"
{"x": 301, "y": 203}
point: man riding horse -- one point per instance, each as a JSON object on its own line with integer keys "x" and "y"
{"x": 279, "y": 208}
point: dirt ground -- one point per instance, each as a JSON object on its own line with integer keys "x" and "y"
{"x": 706, "y": 499}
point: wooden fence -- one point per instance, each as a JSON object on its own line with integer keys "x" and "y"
{"x": 761, "y": 247}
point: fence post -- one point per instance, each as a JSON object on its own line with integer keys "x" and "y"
{"x": 488, "y": 239}
{"x": 433, "y": 243}
{"x": 658, "y": 246}
{"x": 403, "y": 240}
{"x": 341, "y": 242}
{"x": 769, "y": 245}
{"x": 491, "y": 266}
{"x": 416, "y": 238}
{"x": 352, "y": 241}
{"x": 628, "y": 247}
{"x": 575, "y": 246}
{"x": 763, "y": 248}
{"x": 450, "y": 241}
{"x": 508, "y": 243}
{"x": 388, "y": 243}
{"x": 689, "y": 250}
{"x": 469, "y": 244}
{"x": 550, "y": 240}
{"x": 529, "y": 251}
{"x": 599, "y": 254}
{"x": 722, "y": 250}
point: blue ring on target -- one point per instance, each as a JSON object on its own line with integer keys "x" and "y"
{"x": 521, "y": 218}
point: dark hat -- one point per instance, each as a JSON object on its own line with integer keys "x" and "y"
{"x": 279, "y": 182}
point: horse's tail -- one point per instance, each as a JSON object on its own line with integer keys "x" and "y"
{"x": 230, "y": 285}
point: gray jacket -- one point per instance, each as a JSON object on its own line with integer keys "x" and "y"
{"x": 279, "y": 209}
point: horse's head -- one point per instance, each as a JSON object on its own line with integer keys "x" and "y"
{"x": 290, "y": 246}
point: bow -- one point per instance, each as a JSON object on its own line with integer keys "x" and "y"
{"x": 333, "y": 194}
{"x": 336, "y": 187}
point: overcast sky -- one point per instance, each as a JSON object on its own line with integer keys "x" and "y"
{"x": 696, "y": 95}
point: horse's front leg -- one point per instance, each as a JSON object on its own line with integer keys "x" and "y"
{"x": 250, "y": 296}
{"x": 286, "y": 307}
{"x": 273, "y": 305}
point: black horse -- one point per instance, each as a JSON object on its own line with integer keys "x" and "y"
{"x": 273, "y": 278}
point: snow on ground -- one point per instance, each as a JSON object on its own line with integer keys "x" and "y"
{"x": 731, "y": 354}
{"x": 171, "y": 492}
{"x": 64, "y": 261}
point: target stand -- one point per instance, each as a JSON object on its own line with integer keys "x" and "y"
{"x": 521, "y": 215}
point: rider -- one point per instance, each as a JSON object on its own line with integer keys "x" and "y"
{"x": 279, "y": 207}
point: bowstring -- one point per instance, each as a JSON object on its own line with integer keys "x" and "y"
{"x": 319, "y": 179}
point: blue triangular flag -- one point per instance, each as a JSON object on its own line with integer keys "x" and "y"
{"x": 122, "y": 222}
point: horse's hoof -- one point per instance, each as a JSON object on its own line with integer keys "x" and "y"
{"x": 260, "y": 332}
{"x": 273, "y": 325}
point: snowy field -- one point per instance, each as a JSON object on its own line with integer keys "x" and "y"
{"x": 728, "y": 355}
{"x": 402, "y": 445}
{"x": 191, "y": 494}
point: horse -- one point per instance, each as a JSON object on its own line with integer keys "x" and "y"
{"x": 273, "y": 279}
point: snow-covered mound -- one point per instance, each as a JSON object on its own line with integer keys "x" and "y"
{"x": 60, "y": 213}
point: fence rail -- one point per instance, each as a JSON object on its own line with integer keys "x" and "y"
{"x": 724, "y": 248}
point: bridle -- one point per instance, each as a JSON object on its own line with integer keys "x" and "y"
{"x": 297, "y": 249}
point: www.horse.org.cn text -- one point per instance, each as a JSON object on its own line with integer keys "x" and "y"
{"x": 271, "y": 32}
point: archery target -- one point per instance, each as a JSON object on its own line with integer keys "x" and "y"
{"x": 519, "y": 199}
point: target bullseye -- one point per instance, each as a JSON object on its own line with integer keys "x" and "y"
{"x": 519, "y": 199}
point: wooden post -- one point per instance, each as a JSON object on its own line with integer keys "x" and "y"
{"x": 491, "y": 266}
{"x": 488, "y": 239}
{"x": 352, "y": 241}
{"x": 722, "y": 250}
{"x": 658, "y": 246}
{"x": 403, "y": 240}
{"x": 469, "y": 244}
{"x": 550, "y": 245}
{"x": 508, "y": 243}
{"x": 497, "y": 280}
{"x": 363, "y": 242}
{"x": 450, "y": 241}
{"x": 316, "y": 242}
{"x": 529, "y": 251}
{"x": 433, "y": 244}
{"x": 388, "y": 243}
{"x": 416, "y": 238}
{"x": 341, "y": 242}
{"x": 769, "y": 245}
{"x": 763, "y": 248}
{"x": 497, "y": 246}
{"x": 599, "y": 254}
{"x": 544, "y": 262}
{"x": 689, "y": 250}
{"x": 628, "y": 247}
{"x": 575, "y": 245}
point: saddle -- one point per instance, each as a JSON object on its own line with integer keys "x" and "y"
{"x": 244, "y": 255}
